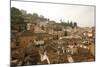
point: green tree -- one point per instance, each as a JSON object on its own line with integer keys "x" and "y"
{"x": 17, "y": 20}
{"x": 71, "y": 24}
{"x": 75, "y": 24}
{"x": 35, "y": 16}
{"x": 16, "y": 16}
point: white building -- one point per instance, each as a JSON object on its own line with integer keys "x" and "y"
{"x": 39, "y": 42}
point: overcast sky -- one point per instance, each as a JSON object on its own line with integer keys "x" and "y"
{"x": 83, "y": 15}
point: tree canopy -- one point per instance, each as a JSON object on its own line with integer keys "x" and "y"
{"x": 16, "y": 16}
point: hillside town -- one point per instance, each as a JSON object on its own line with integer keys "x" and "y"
{"x": 36, "y": 40}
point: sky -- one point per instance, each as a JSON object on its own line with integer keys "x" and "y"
{"x": 83, "y": 15}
